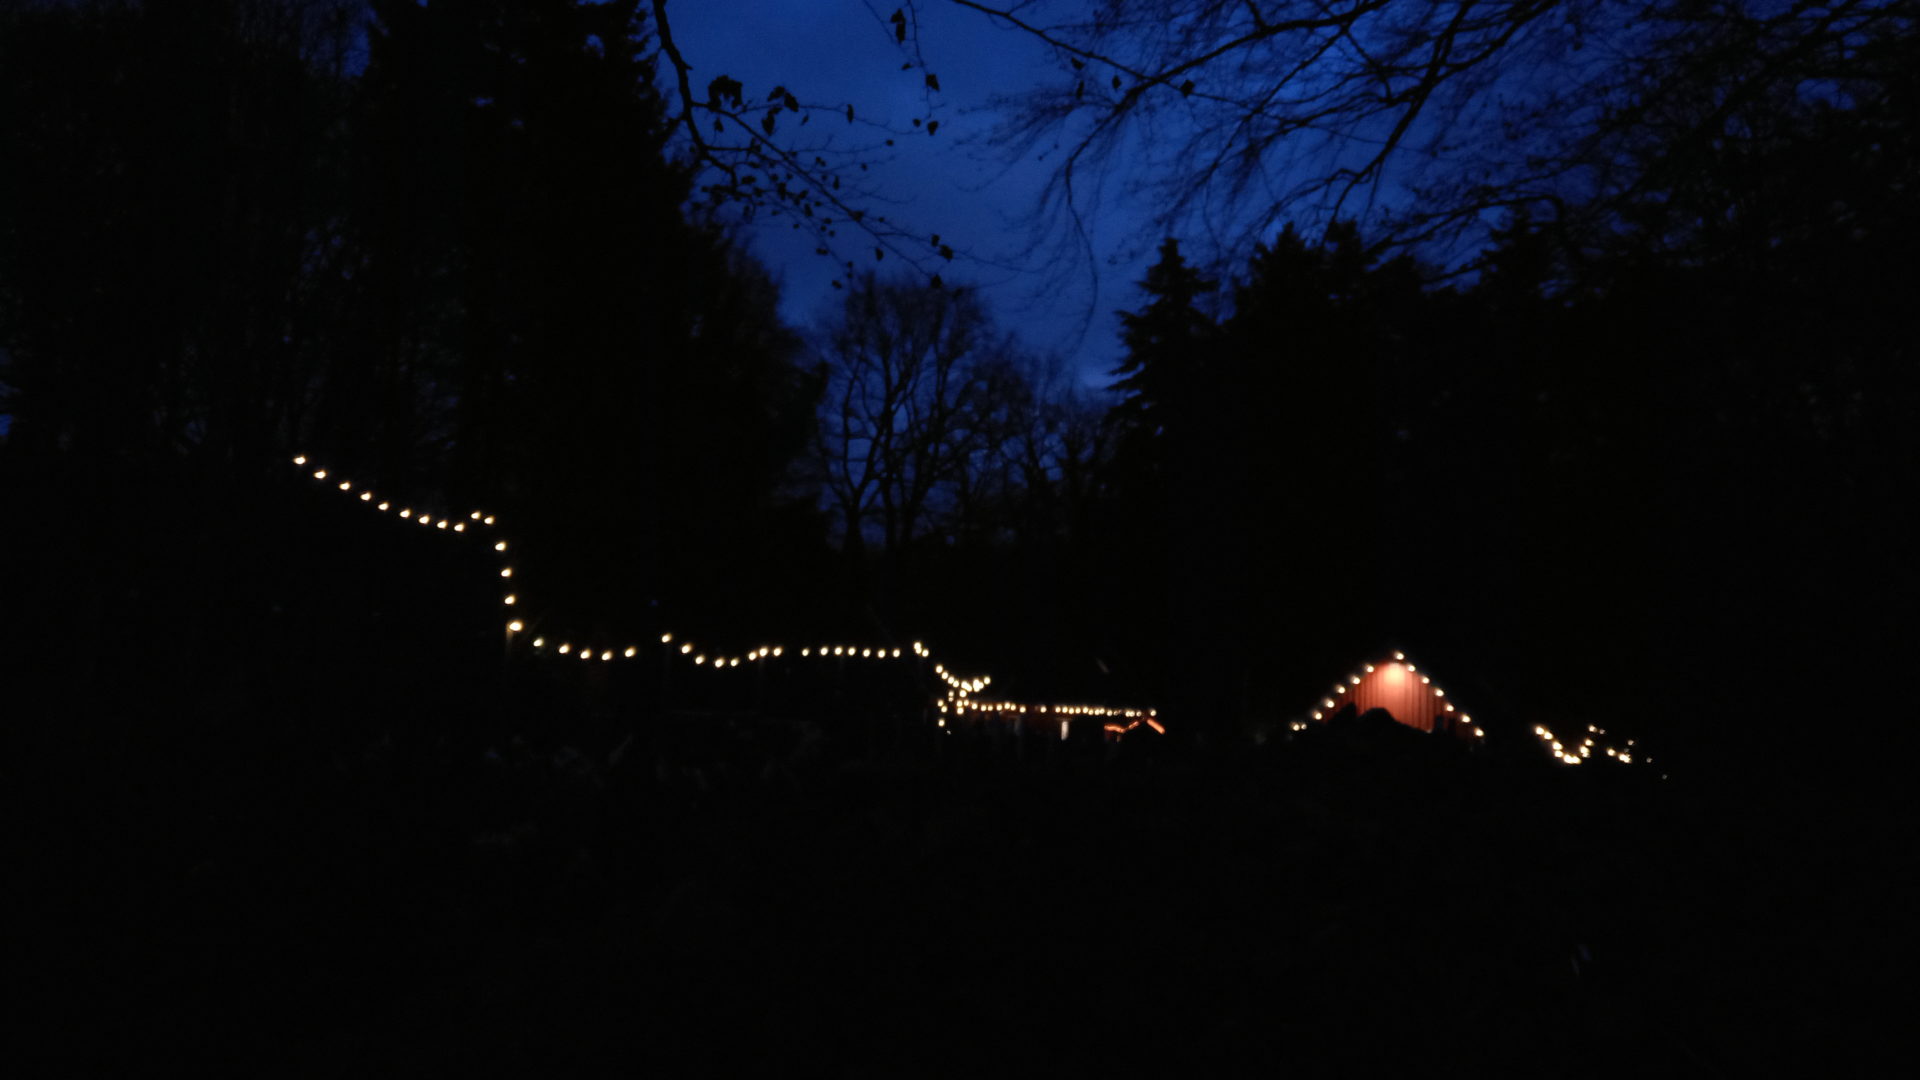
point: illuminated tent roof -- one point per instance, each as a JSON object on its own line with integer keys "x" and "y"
{"x": 1408, "y": 694}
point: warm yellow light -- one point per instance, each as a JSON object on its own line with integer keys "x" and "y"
{"x": 507, "y": 599}
{"x": 866, "y": 652}
{"x": 384, "y": 505}
{"x": 1329, "y": 703}
{"x": 630, "y": 651}
{"x": 475, "y": 515}
{"x": 586, "y": 654}
{"x": 943, "y": 721}
{"x": 836, "y": 650}
{"x": 459, "y": 526}
{"x": 735, "y": 662}
{"x": 1478, "y": 734}
{"x": 489, "y": 519}
{"x": 1354, "y": 679}
{"x": 506, "y": 571}
{"x": 406, "y": 513}
{"x": 320, "y": 474}
{"x": 607, "y": 655}
{"x": 1369, "y": 668}
{"x": 514, "y": 626}
{"x": 500, "y": 546}
{"x": 685, "y": 649}
{"x": 896, "y": 654}
{"x": 300, "y": 459}
{"x": 1465, "y": 719}
{"x": 564, "y": 647}
{"x": 1410, "y": 667}
{"x": 1424, "y": 680}
{"x": 1339, "y": 689}
{"x": 366, "y": 496}
{"x": 346, "y": 485}
{"x": 700, "y": 659}
{"x": 1556, "y": 745}
{"x": 806, "y": 652}
{"x": 539, "y": 641}
{"x": 776, "y": 650}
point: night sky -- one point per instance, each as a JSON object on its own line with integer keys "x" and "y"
{"x": 956, "y": 183}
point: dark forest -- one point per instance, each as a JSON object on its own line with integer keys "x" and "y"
{"x": 1607, "y": 418}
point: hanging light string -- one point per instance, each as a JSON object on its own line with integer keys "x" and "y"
{"x": 1571, "y": 756}
{"x": 954, "y": 701}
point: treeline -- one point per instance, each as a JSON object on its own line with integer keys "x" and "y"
{"x": 447, "y": 249}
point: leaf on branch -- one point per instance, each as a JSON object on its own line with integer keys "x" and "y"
{"x": 899, "y": 21}
{"x": 1079, "y": 88}
{"x": 936, "y": 239}
{"x": 766, "y": 122}
{"x": 1077, "y": 63}
{"x": 878, "y": 254}
{"x": 717, "y": 129}
{"x": 1116, "y": 82}
{"x": 933, "y": 81}
{"x": 916, "y": 121}
{"x": 792, "y": 103}
{"x": 849, "y": 114}
{"x": 908, "y": 66}
{"x": 946, "y": 252}
{"x": 936, "y": 282}
{"x": 778, "y": 93}
{"x": 1186, "y": 88}
{"x": 933, "y": 126}
{"x": 725, "y": 89}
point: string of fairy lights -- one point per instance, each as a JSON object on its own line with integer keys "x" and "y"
{"x": 956, "y": 699}
{"x": 1562, "y": 752}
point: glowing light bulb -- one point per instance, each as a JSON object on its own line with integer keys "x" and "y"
{"x": 700, "y": 659}
{"x": 384, "y": 505}
{"x": 506, "y": 571}
{"x": 514, "y": 626}
{"x": 664, "y": 638}
{"x": 1478, "y": 734}
{"x": 836, "y": 650}
{"x": 507, "y": 599}
{"x": 866, "y": 652}
{"x": 475, "y": 515}
{"x": 1354, "y": 679}
{"x": 1329, "y": 703}
{"x": 565, "y": 648}
{"x": 406, "y": 513}
{"x": 346, "y": 485}
{"x": 424, "y": 519}
{"x": 539, "y": 641}
{"x": 320, "y": 474}
{"x": 896, "y": 654}
{"x": 630, "y": 651}
{"x": 459, "y": 526}
{"x": 607, "y": 655}
{"x": 442, "y": 524}
{"x": 586, "y": 654}
{"x": 776, "y": 650}
{"x": 1369, "y": 668}
{"x": 489, "y": 519}
{"x": 300, "y": 459}
{"x": 1424, "y": 680}
{"x": 735, "y": 662}
{"x": 806, "y": 652}
{"x": 685, "y": 649}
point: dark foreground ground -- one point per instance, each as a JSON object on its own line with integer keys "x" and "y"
{"x": 1351, "y": 903}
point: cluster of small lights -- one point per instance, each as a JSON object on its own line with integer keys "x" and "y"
{"x": 958, "y": 688}
{"x": 1582, "y": 752}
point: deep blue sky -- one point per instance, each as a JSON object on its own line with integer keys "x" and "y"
{"x": 954, "y": 183}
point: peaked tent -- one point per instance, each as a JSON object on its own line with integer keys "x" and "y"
{"x": 1408, "y": 694}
